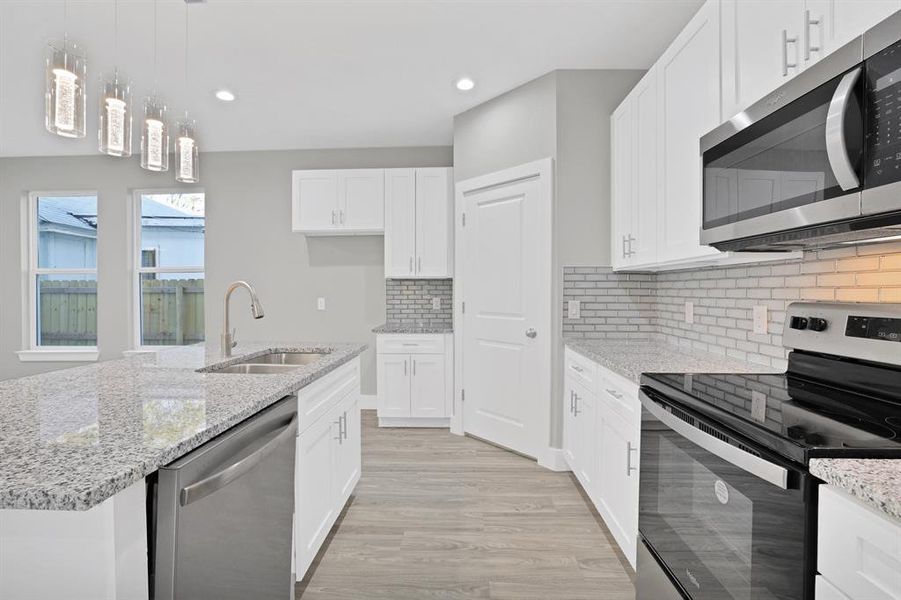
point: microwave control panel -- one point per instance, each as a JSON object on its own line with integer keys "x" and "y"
{"x": 883, "y": 92}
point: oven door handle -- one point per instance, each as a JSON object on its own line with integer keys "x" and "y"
{"x": 754, "y": 465}
{"x": 836, "y": 148}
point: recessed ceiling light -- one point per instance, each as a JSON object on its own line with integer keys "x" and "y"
{"x": 225, "y": 95}
{"x": 464, "y": 84}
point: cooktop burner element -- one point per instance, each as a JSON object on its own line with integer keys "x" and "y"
{"x": 841, "y": 394}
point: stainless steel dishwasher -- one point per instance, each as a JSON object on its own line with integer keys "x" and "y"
{"x": 222, "y": 516}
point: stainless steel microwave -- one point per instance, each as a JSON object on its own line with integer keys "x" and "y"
{"x": 817, "y": 163}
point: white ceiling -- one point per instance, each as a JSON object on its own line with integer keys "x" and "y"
{"x": 315, "y": 74}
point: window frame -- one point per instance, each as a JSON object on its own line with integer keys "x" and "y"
{"x": 32, "y": 351}
{"x": 135, "y": 252}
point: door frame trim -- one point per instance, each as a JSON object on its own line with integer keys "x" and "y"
{"x": 543, "y": 170}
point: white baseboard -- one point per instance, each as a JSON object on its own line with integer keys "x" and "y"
{"x": 368, "y": 402}
{"x": 553, "y": 459}
{"x": 414, "y": 422}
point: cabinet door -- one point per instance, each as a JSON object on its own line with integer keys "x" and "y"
{"x": 688, "y": 76}
{"x": 427, "y": 397}
{"x": 314, "y": 200}
{"x": 400, "y": 222}
{"x": 347, "y": 450}
{"x": 619, "y": 474}
{"x": 394, "y": 385}
{"x": 570, "y": 430}
{"x": 642, "y": 245}
{"x": 752, "y": 49}
{"x": 622, "y": 142}
{"x": 586, "y": 447}
{"x": 314, "y": 502}
{"x": 361, "y": 195}
{"x": 834, "y": 23}
{"x": 433, "y": 222}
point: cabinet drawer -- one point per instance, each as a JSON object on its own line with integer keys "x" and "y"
{"x": 621, "y": 397}
{"x": 826, "y": 591}
{"x": 858, "y": 549}
{"x": 580, "y": 368}
{"x": 319, "y": 397}
{"x": 410, "y": 344}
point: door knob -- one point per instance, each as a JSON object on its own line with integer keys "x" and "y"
{"x": 531, "y": 333}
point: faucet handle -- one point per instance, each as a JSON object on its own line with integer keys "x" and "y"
{"x": 234, "y": 341}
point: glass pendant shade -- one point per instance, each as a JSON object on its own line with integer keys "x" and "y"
{"x": 154, "y": 136}
{"x": 66, "y": 69}
{"x": 115, "y": 117}
{"x": 186, "y": 152}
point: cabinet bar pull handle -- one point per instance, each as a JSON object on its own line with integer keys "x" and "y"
{"x": 333, "y": 217}
{"x": 405, "y": 366}
{"x": 414, "y": 366}
{"x": 576, "y": 399}
{"x": 785, "y": 42}
{"x": 808, "y": 47}
{"x": 614, "y": 393}
{"x": 411, "y": 264}
{"x": 572, "y": 404}
{"x": 629, "y": 451}
{"x": 624, "y": 247}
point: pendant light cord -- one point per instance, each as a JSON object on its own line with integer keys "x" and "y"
{"x": 155, "y": 74}
{"x": 186, "y": 58}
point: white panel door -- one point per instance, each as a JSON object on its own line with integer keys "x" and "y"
{"x": 314, "y": 503}
{"x": 394, "y": 385}
{"x": 507, "y": 353}
{"x": 433, "y": 222}
{"x": 347, "y": 462}
{"x": 642, "y": 245}
{"x": 400, "y": 222}
{"x": 315, "y": 200}
{"x": 622, "y": 180}
{"x": 427, "y": 385}
{"x": 362, "y": 199}
{"x": 753, "y": 49}
{"x": 689, "y": 80}
{"x": 834, "y": 23}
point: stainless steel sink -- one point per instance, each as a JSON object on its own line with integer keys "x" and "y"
{"x": 285, "y": 358}
{"x": 257, "y": 369}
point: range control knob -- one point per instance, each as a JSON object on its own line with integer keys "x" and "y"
{"x": 798, "y": 323}
{"x": 817, "y": 324}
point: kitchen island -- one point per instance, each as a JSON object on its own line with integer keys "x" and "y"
{"x": 77, "y": 444}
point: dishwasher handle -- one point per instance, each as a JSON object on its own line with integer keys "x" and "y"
{"x": 220, "y": 479}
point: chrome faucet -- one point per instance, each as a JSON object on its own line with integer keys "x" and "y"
{"x": 256, "y": 309}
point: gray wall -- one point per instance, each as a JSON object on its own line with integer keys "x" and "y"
{"x": 564, "y": 115}
{"x": 248, "y": 236}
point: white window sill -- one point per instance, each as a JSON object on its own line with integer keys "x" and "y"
{"x": 81, "y": 354}
{"x": 146, "y": 350}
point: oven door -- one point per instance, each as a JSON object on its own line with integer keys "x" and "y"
{"x": 798, "y": 166}
{"x": 722, "y": 521}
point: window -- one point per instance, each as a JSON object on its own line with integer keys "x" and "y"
{"x": 62, "y": 277}
{"x": 169, "y": 232}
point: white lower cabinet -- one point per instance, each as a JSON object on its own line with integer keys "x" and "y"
{"x": 858, "y": 550}
{"x": 328, "y": 462}
{"x": 601, "y": 434}
{"x": 415, "y": 380}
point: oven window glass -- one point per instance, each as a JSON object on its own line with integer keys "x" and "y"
{"x": 721, "y": 531}
{"x": 779, "y": 162}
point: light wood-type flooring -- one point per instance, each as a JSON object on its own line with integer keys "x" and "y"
{"x": 442, "y": 516}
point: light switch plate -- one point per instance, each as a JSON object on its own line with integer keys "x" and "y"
{"x": 320, "y": 304}
{"x": 574, "y": 309}
{"x": 436, "y": 303}
{"x": 689, "y": 312}
{"x": 760, "y": 320}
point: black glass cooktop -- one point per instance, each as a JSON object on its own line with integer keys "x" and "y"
{"x": 794, "y": 415}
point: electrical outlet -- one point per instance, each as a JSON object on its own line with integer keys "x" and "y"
{"x": 320, "y": 304}
{"x": 760, "y": 320}
{"x": 758, "y": 406}
{"x": 436, "y": 303}
{"x": 574, "y": 309}
{"x": 689, "y": 312}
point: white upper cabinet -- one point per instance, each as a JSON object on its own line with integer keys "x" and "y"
{"x": 418, "y": 222}
{"x": 688, "y": 76}
{"x": 830, "y": 24}
{"x": 622, "y": 180}
{"x": 338, "y": 202}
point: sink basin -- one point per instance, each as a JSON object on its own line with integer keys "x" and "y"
{"x": 285, "y": 358}
{"x": 257, "y": 369}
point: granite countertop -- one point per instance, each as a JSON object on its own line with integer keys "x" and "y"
{"x": 72, "y": 438}
{"x": 412, "y": 329}
{"x": 873, "y": 481}
{"x": 632, "y": 357}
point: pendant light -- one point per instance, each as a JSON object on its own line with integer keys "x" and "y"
{"x": 66, "y": 69}
{"x": 154, "y": 130}
{"x": 186, "y": 152}
{"x": 115, "y": 107}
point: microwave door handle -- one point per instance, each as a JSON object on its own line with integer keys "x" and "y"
{"x": 754, "y": 465}
{"x": 836, "y": 149}
{"x": 220, "y": 479}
